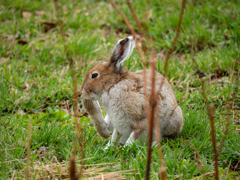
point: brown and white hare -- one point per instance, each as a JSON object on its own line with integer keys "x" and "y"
{"x": 121, "y": 93}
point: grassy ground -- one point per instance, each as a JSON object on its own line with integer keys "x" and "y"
{"x": 35, "y": 84}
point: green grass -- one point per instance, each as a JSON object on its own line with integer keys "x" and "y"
{"x": 35, "y": 79}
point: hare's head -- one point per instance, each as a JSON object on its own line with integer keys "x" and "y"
{"x": 105, "y": 75}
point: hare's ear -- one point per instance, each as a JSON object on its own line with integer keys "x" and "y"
{"x": 121, "y": 52}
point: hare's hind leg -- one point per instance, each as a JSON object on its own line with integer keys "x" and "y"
{"x": 136, "y": 135}
{"x": 175, "y": 123}
{"x": 123, "y": 136}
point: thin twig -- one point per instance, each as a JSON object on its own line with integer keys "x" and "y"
{"x": 151, "y": 116}
{"x": 199, "y": 158}
{"x": 175, "y": 39}
{"x": 153, "y": 100}
{"x": 69, "y": 58}
{"x": 152, "y": 119}
{"x": 78, "y": 128}
{"x": 235, "y": 91}
{"x": 144, "y": 46}
{"x": 154, "y": 113}
{"x": 211, "y": 118}
{"x": 158, "y": 137}
{"x": 123, "y": 16}
{"x": 155, "y": 118}
{"x": 163, "y": 169}
{"x": 139, "y": 51}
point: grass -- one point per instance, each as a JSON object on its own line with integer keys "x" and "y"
{"x": 36, "y": 83}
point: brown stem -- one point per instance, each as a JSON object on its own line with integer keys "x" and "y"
{"x": 79, "y": 130}
{"x": 155, "y": 118}
{"x": 144, "y": 46}
{"x": 139, "y": 51}
{"x": 123, "y": 16}
{"x": 198, "y": 156}
{"x": 151, "y": 115}
{"x": 175, "y": 39}
{"x": 72, "y": 170}
{"x": 158, "y": 137}
{"x": 230, "y": 106}
{"x": 163, "y": 168}
{"x": 153, "y": 100}
{"x": 214, "y": 141}
{"x": 211, "y": 118}
{"x": 70, "y": 59}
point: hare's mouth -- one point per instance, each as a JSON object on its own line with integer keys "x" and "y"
{"x": 86, "y": 95}
{"x": 89, "y": 95}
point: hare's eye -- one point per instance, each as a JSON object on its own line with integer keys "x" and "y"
{"x": 94, "y": 75}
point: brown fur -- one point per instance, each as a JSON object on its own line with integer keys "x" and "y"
{"x": 108, "y": 77}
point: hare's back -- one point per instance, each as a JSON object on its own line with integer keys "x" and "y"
{"x": 126, "y": 100}
{"x": 166, "y": 94}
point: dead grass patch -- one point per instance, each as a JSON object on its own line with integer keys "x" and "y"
{"x": 60, "y": 170}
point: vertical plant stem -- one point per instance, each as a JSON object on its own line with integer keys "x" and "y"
{"x": 144, "y": 46}
{"x": 158, "y": 137}
{"x": 72, "y": 170}
{"x": 29, "y": 148}
{"x": 152, "y": 116}
{"x": 175, "y": 39}
{"x": 139, "y": 51}
{"x": 198, "y": 156}
{"x": 155, "y": 119}
{"x": 211, "y": 118}
{"x": 214, "y": 141}
{"x": 69, "y": 58}
{"x": 78, "y": 128}
{"x": 231, "y": 104}
{"x": 153, "y": 100}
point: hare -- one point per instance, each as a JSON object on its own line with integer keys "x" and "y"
{"x": 122, "y": 95}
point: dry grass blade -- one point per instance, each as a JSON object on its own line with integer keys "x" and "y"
{"x": 79, "y": 130}
{"x": 57, "y": 170}
{"x": 211, "y": 118}
{"x": 175, "y": 39}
